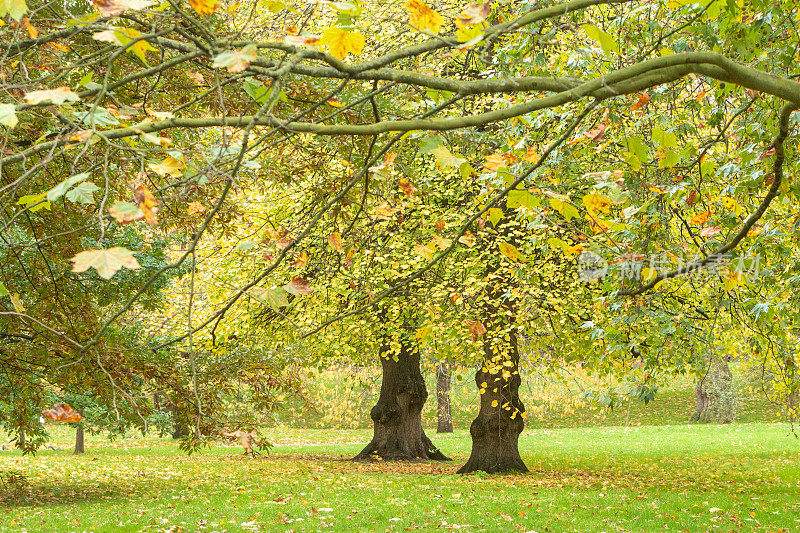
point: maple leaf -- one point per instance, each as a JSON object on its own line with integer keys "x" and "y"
{"x": 423, "y": 17}
{"x": 340, "y": 42}
{"x": 474, "y": 13}
{"x": 204, "y": 7}
{"x": 62, "y": 412}
{"x": 147, "y": 203}
{"x": 476, "y": 328}
{"x": 406, "y": 186}
{"x": 445, "y": 158}
{"x": 106, "y": 262}
{"x": 56, "y": 96}
{"x": 16, "y": 301}
{"x": 387, "y": 163}
{"x": 83, "y": 193}
{"x": 335, "y": 240}
{"x": 236, "y": 60}
{"x": 125, "y": 212}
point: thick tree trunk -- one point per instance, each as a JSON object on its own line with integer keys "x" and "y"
{"x": 495, "y": 432}
{"x": 443, "y": 411}
{"x": 79, "y": 439}
{"x": 715, "y": 397}
{"x": 397, "y": 417}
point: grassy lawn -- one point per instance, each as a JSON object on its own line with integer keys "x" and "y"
{"x": 743, "y": 477}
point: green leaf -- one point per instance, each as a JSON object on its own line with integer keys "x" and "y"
{"x": 495, "y": 215}
{"x": 15, "y": 8}
{"x": 275, "y": 297}
{"x": 445, "y": 159}
{"x": 257, "y": 90}
{"x": 567, "y": 210}
{"x": 636, "y": 146}
{"x": 3, "y": 291}
{"x": 607, "y": 42}
{"x": 8, "y": 116}
{"x": 30, "y": 201}
{"x": 82, "y": 194}
{"x": 59, "y": 190}
{"x": 521, "y": 198}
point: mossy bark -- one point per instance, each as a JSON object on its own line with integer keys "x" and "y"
{"x": 715, "y": 395}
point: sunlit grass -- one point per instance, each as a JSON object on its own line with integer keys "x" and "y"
{"x": 670, "y": 478}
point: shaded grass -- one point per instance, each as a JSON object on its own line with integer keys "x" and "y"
{"x": 680, "y": 478}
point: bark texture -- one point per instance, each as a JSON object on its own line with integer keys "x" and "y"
{"x": 443, "y": 410}
{"x": 495, "y": 432}
{"x": 715, "y": 396}
{"x": 79, "y": 439}
{"x": 397, "y": 417}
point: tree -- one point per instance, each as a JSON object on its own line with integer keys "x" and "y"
{"x": 237, "y": 94}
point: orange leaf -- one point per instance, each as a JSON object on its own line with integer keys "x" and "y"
{"x": 644, "y": 99}
{"x": 147, "y": 203}
{"x": 62, "y": 412}
{"x": 475, "y": 327}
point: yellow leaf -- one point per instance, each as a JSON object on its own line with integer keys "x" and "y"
{"x": 204, "y": 7}
{"x": 510, "y": 251}
{"x": 195, "y": 209}
{"x": 168, "y": 167}
{"x": 494, "y": 403}
{"x": 16, "y": 301}
{"x": 423, "y": 17}
{"x": 335, "y": 240}
{"x": 597, "y": 202}
{"x": 341, "y": 42}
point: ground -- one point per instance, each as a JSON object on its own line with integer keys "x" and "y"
{"x": 743, "y": 477}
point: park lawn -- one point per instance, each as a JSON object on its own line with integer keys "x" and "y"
{"x": 743, "y": 477}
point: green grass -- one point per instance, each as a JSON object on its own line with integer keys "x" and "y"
{"x": 743, "y": 477}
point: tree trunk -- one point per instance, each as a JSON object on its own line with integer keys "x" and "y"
{"x": 79, "y": 439}
{"x": 715, "y": 397}
{"x": 443, "y": 411}
{"x": 495, "y": 432}
{"x": 397, "y": 417}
